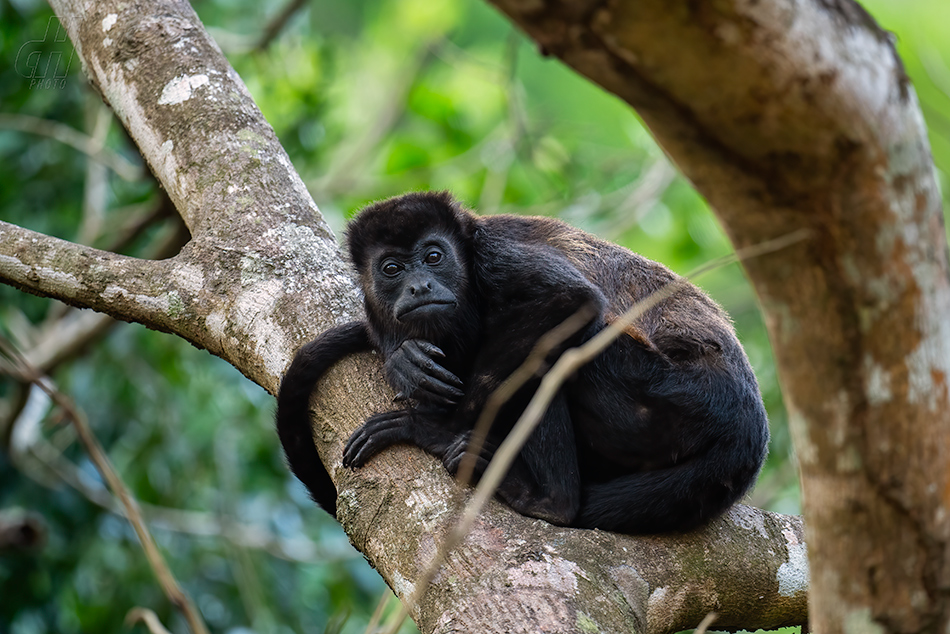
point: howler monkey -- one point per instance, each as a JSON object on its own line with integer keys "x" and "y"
{"x": 662, "y": 431}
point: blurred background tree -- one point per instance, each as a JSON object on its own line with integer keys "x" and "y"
{"x": 370, "y": 98}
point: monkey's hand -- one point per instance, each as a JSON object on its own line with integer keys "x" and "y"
{"x": 457, "y": 454}
{"x": 412, "y": 370}
{"x": 377, "y": 433}
{"x": 422, "y": 428}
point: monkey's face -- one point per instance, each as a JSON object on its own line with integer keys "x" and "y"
{"x": 419, "y": 287}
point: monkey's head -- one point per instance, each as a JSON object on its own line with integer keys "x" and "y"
{"x": 412, "y": 253}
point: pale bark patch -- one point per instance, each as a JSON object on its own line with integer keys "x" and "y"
{"x": 62, "y": 279}
{"x": 877, "y": 382}
{"x": 253, "y": 311}
{"x": 664, "y": 604}
{"x": 160, "y": 303}
{"x": 792, "y": 576}
{"x": 189, "y": 277}
{"x": 928, "y": 368}
{"x": 743, "y": 517}
{"x": 550, "y": 572}
{"x": 216, "y": 323}
{"x": 864, "y": 92}
{"x": 180, "y": 89}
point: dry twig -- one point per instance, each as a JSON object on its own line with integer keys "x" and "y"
{"x": 178, "y": 597}
{"x": 72, "y": 137}
{"x": 149, "y": 618}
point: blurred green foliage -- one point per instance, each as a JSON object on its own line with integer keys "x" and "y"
{"x": 370, "y": 99}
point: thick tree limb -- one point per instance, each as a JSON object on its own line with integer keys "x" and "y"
{"x": 519, "y": 574}
{"x": 262, "y": 275}
{"x": 795, "y": 114}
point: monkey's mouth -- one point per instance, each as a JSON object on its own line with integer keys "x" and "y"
{"x": 423, "y": 310}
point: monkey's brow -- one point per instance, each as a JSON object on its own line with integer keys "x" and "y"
{"x": 402, "y": 255}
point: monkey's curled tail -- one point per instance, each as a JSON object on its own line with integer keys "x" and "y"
{"x": 293, "y": 405}
{"x": 678, "y": 498}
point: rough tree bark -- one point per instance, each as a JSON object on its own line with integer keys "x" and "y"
{"x": 796, "y": 114}
{"x": 771, "y": 110}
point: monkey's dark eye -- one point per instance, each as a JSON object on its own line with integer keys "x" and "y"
{"x": 391, "y": 268}
{"x": 433, "y": 257}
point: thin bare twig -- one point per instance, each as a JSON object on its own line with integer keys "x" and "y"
{"x": 178, "y": 597}
{"x": 646, "y": 193}
{"x": 278, "y": 23}
{"x": 73, "y": 138}
{"x": 140, "y": 217}
{"x": 936, "y": 69}
{"x": 350, "y": 158}
{"x": 705, "y": 623}
{"x": 378, "y": 612}
{"x": 48, "y": 467}
{"x": 149, "y": 618}
{"x": 96, "y": 188}
{"x": 506, "y": 391}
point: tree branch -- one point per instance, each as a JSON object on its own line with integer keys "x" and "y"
{"x": 124, "y": 287}
{"x": 514, "y": 573}
{"x": 254, "y": 227}
{"x": 190, "y": 115}
{"x": 278, "y": 22}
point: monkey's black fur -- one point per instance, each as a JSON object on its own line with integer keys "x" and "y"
{"x": 663, "y": 431}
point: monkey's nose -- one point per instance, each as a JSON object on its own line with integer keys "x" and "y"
{"x": 422, "y": 287}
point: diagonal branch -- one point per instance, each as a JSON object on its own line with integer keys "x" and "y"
{"x": 256, "y": 232}
{"x": 190, "y": 116}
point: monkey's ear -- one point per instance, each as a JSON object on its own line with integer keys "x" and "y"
{"x": 365, "y": 230}
{"x": 446, "y": 198}
{"x": 463, "y": 218}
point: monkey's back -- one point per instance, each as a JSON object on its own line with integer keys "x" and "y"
{"x": 624, "y": 277}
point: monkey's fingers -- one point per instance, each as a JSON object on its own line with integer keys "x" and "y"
{"x": 436, "y": 371}
{"x": 453, "y": 465}
{"x": 435, "y": 391}
{"x": 378, "y": 433}
{"x": 429, "y": 349}
{"x": 418, "y": 356}
{"x": 456, "y": 455}
{"x": 434, "y": 400}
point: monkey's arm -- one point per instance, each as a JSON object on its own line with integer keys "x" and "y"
{"x": 544, "y": 480}
{"x": 293, "y": 405}
{"x": 528, "y": 289}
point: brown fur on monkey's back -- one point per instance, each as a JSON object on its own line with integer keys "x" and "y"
{"x": 625, "y": 278}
